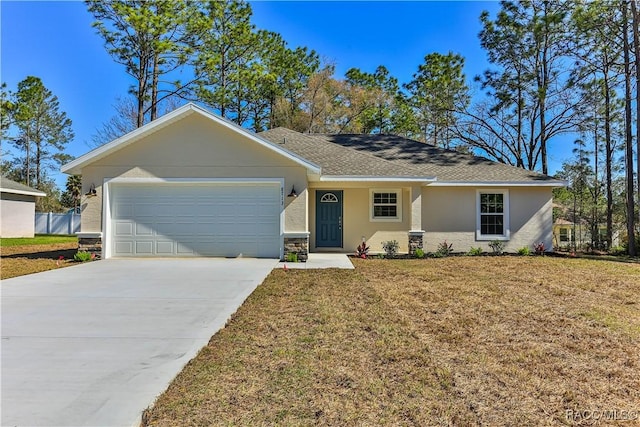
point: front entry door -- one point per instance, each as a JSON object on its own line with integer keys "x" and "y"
{"x": 329, "y": 219}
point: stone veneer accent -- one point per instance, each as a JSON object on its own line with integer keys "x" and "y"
{"x": 416, "y": 241}
{"x": 297, "y": 245}
{"x": 91, "y": 244}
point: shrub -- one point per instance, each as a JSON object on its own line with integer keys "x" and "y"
{"x": 444, "y": 249}
{"x": 82, "y": 256}
{"x": 390, "y": 248}
{"x": 497, "y": 247}
{"x": 475, "y": 251}
{"x": 618, "y": 250}
{"x": 539, "y": 248}
{"x": 292, "y": 257}
{"x": 419, "y": 253}
{"x": 362, "y": 250}
{"x": 524, "y": 251}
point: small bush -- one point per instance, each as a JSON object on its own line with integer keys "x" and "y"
{"x": 497, "y": 247}
{"x": 82, "y": 256}
{"x": 525, "y": 251}
{"x": 475, "y": 251}
{"x": 419, "y": 253}
{"x": 390, "y": 248}
{"x": 362, "y": 251}
{"x": 444, "y": 249}
{"x": 618, "y": 250}
{"x": 292, "y": 257}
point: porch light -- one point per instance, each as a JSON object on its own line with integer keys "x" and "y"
{"x": 92, "y": 191}
{"x": 293, "y": 192}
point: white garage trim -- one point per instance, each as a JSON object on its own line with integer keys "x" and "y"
{"x": 109, "y": 182}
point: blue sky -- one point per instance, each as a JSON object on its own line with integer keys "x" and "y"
{"x": 54, "y": 40}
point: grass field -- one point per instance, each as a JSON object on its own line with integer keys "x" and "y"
{"x": 456, "y": 341}
{"x": 39, "y": 239}
{"x": 22, "y": 256}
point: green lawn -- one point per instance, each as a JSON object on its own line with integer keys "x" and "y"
{"x": 39, "y": 239}
{"x": 461, "y": 341}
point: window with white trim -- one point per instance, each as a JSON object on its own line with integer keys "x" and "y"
{"x": 492, "y": 215}
{"x": 386, "y": 205}
{"x": 566, "y": 235}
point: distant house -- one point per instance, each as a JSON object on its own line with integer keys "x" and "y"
{"x": 566, "y": 235}
{"x": 194, "y": 184}
{"x": 17, "y": 208}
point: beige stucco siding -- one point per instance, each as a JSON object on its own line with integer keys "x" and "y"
{"x": 356, "y": 220}
{"x": 195, "y": 147}
{"x": 17, "y": 215}
{"x": 449, "y": 213}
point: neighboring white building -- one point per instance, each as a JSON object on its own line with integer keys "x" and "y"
{"x": 17, "y": 208}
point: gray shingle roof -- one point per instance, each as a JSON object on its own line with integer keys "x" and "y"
{"x": 9, "y": 186}
{"x": 390, "y": 155}
{"x": 335, "y": 159}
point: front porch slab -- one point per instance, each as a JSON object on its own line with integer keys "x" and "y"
{"x": 320, "y": 260}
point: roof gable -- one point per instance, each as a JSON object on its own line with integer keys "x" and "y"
{"x": 76, "y": 166}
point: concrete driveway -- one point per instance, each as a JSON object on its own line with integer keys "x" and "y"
{"x": 95, "y": 344}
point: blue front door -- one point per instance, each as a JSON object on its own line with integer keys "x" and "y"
{"x": 329, "y": 219}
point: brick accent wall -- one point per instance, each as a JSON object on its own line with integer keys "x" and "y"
{"x": 90, "y": 244}
{"x": 297, "y": 245}
{"x": 416, "y": 241}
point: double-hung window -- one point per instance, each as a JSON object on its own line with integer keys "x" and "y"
{"x": 386, "y": 205}
{"x": 492, "y": 219}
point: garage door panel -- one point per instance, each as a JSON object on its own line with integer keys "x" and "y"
{"x": 196, "y": 220}
{"x": 144, "y": 248}
{"x": 123, "y": 228}
{"x": 124, "y": 248}
{"x": 164, "y": 247}
{"x": 124, "y": 210}
{"x": 143, "y": 229}
{"x": 185, "y": 248}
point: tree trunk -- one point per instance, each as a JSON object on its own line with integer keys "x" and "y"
{"x": 520, "y": 143}
{"x": 27, "y": 144}
{"x": 595, "y": 220}
{"x": 609, "y": 159}
{"x": 154, "y": 88}
{"x": 38, "y": 159}
{"x": 636, "y": 44}
{"x": 628, "y": 137}
{"x": 140, "y": 95}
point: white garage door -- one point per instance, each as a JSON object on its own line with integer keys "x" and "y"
{"x": 224, "y": 220}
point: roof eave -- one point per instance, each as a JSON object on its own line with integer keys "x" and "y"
{"x": 23, "y": 192}
{"x": 548, "y": 183}
{"x": 373, "y": 178}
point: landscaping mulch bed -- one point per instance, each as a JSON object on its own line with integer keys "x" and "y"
{"x": 27, "y": 259}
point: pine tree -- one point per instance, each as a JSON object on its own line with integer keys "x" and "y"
{"x": 437, "y": 92}
{"x": 43, "y": 130}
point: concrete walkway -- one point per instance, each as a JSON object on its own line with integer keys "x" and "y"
{"x": 94, "y": 344}
{"x": 320, "y": 260}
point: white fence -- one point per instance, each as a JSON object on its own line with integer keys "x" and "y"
{"x": 57, "y": 223}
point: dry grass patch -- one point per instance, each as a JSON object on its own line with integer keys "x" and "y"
{"x": 18, "y": 260}
{"x": 454, "y": 341}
